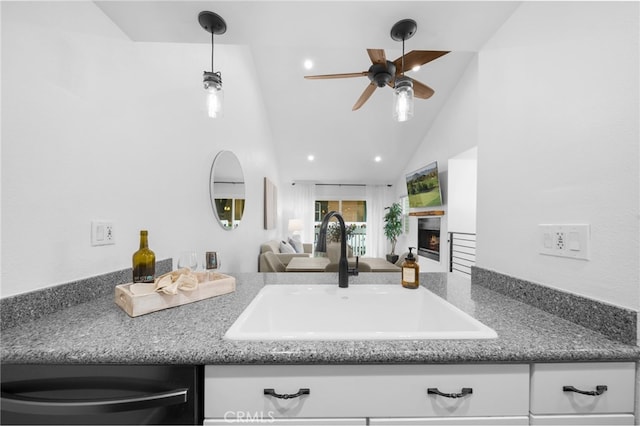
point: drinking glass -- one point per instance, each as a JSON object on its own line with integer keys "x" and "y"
{"x": 211, "y": 263}
{"x": 188, "y": 259}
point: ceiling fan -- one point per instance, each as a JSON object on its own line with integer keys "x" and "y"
{"x": 384, "y": 72}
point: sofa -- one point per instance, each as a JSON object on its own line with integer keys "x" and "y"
{"x": 273, "y": 246}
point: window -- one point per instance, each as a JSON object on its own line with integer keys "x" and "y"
{"x": 229, "y": 210}
{"x": 404, "y": 202}
{"x": 354, "y": 213}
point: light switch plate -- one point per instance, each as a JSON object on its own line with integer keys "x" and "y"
{"x": 102, "y": 233}
{"x": 570, "y": 240}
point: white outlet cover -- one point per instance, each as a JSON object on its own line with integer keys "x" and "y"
{"x": 564, "y": 240}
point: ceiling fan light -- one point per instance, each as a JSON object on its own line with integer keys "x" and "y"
{"x": 215, "y": 95}
{"x": 403, "y": 99}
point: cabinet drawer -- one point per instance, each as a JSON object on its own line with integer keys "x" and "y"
{"x": 548, "y": 382}
{"x": 242, "y": 419}
{"x": 367, "y": 390}
{"x": 583, "y": 420}
{"x": 453, "y": 421}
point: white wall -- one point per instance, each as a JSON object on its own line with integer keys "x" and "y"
{"x": 86, "y": 112}
{"x": 552, "y": 103}
{"x": 454, "y": 131}
{"x": 98, "y": 127}
{"x": 558, "y": 143}
{"x": 463, "y": 189}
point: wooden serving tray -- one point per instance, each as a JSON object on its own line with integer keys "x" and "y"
{"x": 140, "y": 304}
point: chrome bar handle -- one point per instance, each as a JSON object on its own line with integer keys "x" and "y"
{"x": 464, "y": 392}
{"x": 600, "y": 389}
{"x": 272, "y": 392}
{"x": 49, "y": 406}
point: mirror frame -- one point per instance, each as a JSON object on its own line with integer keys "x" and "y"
{"x": 216, "y": 162}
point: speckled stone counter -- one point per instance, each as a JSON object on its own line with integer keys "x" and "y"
{"x": 98, "y": 331}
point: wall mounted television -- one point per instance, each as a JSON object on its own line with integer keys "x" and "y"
{"x": 423, "y": 187}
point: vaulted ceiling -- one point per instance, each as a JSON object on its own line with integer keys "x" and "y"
{"x": 314, "y": 117}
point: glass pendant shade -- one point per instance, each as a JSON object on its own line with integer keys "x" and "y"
{"x": 215, "y": 100}
{"x": 215, "y": 94}
{"x": 403, "y": 99}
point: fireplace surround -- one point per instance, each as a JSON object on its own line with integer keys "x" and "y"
{"x": 429, "y": 237}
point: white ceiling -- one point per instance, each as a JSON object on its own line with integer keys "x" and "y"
{"x": 314, "y": 116}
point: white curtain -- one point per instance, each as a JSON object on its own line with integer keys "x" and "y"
{"x": 304, "y": 198}
{"x": 377, "y": 199}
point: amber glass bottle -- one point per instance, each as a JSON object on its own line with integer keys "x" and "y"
{"x": 144, "y": 261}
{"x": 410, "y": 271}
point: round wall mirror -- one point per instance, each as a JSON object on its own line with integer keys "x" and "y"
{"x": 226, "y": 189}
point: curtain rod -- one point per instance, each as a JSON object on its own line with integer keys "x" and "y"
{"x": 342, "y": 184}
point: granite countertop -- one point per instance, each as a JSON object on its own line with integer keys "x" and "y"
{"x": 98, "y": 331}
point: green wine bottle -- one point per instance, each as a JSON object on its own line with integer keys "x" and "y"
{"x": 144, "y": 262}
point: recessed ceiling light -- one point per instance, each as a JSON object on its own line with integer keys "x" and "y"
{"x": 416, "y": 68}
{"x": 308, "y": 64}
{"x": 378, "y": 159}
{"x": 310, "y": 157}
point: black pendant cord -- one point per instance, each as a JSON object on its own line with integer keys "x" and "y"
{"x": 212, "y": 51}
{"x": 403, "y": 56}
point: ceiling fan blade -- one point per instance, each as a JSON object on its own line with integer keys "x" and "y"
{"x": 368, "y": 91}
{"x": 421, "y": 90}
{"x": 417, "y": 58}
{"x": 346, "y": 75}
{"x": 377, "y": 56}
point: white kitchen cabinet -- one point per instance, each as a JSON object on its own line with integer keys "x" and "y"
{"x": 583, "y": 420}
{"x": 582, "y": 393}
{"x": 452, "y": 421}
{"x": 367, "y": 391}
{"x": 399, "y": 395}
{"x": 247, "y": 419}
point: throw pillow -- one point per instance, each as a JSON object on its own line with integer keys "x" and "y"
{"x": 296, "y": 243}
{"x": 285, "y": 247}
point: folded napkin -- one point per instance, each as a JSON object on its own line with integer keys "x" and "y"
{"x": 170, "y": 283}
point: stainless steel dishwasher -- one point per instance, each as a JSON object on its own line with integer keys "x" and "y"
{"x": 101, "y": 394}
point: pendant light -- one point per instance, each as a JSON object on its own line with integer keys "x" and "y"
{"x": 403, "y": 86}
{"x": 214, "y": 24}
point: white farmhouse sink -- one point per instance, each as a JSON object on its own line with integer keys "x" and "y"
{"x": 360, "y": 312}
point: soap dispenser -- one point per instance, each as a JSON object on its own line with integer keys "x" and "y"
{"x": 410, "y": 271}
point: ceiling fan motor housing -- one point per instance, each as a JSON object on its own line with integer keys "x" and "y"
{"x": 381, "y": 74}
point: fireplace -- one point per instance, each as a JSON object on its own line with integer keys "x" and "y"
{"x": 429, "y": 237}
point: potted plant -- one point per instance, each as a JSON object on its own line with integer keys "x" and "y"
{"x": 334, "y": 232}
{"x": 334, "y": 236}
{"x": 393, "y": 228}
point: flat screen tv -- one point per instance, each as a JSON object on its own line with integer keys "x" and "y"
{"x": 423, "y": 187}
